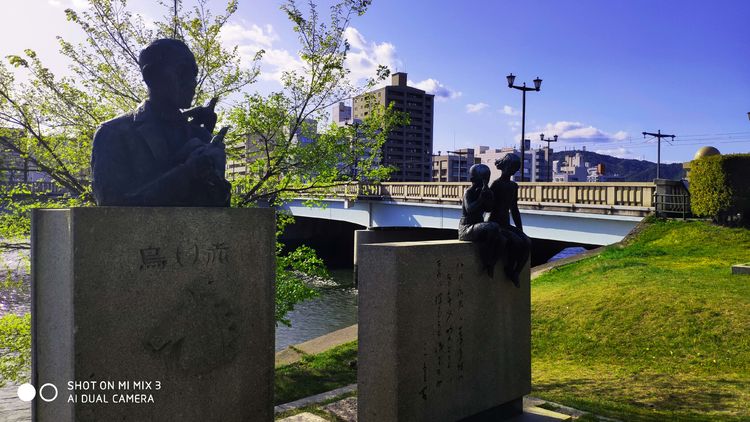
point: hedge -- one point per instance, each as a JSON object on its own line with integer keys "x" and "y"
{"x": 720, "y": 188}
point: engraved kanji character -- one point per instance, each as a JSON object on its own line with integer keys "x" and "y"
{"x": 217, "y": 252}
{"x": 151, "y": 258}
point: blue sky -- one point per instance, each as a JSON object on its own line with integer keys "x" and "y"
{"x": 611, "y": 69}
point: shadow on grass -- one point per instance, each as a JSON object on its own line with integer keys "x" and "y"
{"x": 654, "y": 397}
{"x": 316, "y": 374}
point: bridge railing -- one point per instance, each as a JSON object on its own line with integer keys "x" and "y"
{"x": 626, "y": 196}
{"x": 36, "y": 188}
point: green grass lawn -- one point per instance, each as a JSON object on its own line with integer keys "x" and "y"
{"x": 657, "y": 330}
{"x": 316, "y": 374}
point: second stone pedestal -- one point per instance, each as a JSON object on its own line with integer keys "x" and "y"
{"x": 439, "y": 340}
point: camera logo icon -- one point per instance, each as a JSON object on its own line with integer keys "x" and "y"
{"x": 47, "y": 392}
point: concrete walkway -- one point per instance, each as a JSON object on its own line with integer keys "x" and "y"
{"x": 317, "y": 345}
{"x": 12, "y": 409}
{"x": 346, "y": 410}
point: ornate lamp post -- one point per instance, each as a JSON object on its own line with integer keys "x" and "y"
{"x": 537, "y": 84}
{"x": 549, "y": 155}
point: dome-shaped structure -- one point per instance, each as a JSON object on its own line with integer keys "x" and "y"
{"x": 705, "y": 152}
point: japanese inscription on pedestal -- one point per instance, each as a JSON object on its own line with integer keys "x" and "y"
{"x": 443, "y": 355}
{"x": 188, "y": 254}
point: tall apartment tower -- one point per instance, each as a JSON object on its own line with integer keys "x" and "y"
{"x": 408, "y": 148}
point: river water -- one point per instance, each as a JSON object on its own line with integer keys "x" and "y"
{"x": 335, "y": 308}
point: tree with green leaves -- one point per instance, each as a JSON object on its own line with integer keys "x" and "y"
{"x": 50, "y": 120}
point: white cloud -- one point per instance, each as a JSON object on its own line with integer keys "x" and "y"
{"x": 253, "y": 35}
{"x": 75, "y": 4}
{"x": 617, "y": 152}
{"x": 476, "y": 108}
{"x": 364, "y": 56}
{"x": 577, "y": 132}
{"x": 620, "y": 136}
{"x": 355, "y": 38}
{"x": 433, "y": 86}
{"x": 510, "y": 111}
{"x": 252, "y": 38}
{"x": 276, "y": 61}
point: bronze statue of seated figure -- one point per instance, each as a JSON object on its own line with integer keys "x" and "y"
{"x": 476, "y": 202}
{"x": 505, "y": 205}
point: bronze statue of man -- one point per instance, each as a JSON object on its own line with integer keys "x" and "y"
{"x": 159, "y": 155}
{"x": 505, "y": 197}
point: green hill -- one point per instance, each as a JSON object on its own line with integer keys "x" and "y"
{"x": 631, "y": 170}
{"x": 656, "y": 330}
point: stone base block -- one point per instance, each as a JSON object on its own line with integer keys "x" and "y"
{"x": 153, "y": 314}
{"x": 439, "y": 340}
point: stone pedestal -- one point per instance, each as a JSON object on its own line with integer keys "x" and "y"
{"x": 439, "y": 340}
{"x": 153, "y": 314}
{"x": 397, "y": 234}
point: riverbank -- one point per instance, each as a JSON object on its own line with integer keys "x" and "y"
{"x": 652, "y": 329}
{"x": 15, "y": 282}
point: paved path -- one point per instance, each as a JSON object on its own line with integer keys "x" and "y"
{"x": 317, "y": 345}
{"x": 346, "y": 410}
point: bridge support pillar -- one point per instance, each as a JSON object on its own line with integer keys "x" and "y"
{"x": 396, "y": 234}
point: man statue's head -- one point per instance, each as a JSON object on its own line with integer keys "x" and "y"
{"x": 169, "y": 70}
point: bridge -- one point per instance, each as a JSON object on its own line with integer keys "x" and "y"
{"x": 591, "y": 213}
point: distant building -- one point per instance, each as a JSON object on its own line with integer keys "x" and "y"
{"x": 574, "y": 169}
{"x": 341, "y": 114}
{"x": 248, "y": 152}
{"x": 408, "y": 148}
{"x": 15, "y": 169}
{"x": 453, "y": 166}
{"x": 535, "y": 162}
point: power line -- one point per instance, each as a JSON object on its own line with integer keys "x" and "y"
{"x": 715, "y": 134}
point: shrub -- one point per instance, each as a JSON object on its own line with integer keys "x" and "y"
{"x": 15, "y": 348}
{"x": 719, "y": 188}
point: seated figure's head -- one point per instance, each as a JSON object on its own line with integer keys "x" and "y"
{"x": 509, "y": 164}
{"x": 479, "y": 174}
{"x": 169, "y": 70}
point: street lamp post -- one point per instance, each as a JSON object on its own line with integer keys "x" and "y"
{"x": 537, "y": 84}
{"x": 549, "y": 155}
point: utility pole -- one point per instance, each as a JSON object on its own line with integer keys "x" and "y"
{"x": 658, "y": 135}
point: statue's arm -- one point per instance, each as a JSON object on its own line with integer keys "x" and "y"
{"x": 514, "y": 209}
{"x": 476, "y": 202}
{"x": 114, "y": 181}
